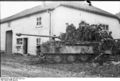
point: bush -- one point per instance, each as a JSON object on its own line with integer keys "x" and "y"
{"x": 49, "y": 46}
{"x": 46, "y": 46}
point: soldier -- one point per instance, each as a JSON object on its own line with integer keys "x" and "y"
{"x": 82, "y": 30}
{"x": 40, "y": 54}
{"x": 100, "y": 34}
{"x": 67, "y": 27}
{"x": 93, "y": 33}
{"x": 67, "y": 32}
{"x": 90, "y": 33}
{"x": 83, "y": 34}
{"x": 118, "y": 45}
{"x": 111, "y": 42}
{"x": 96, "y": 33}
{"x": 86, "y": 32}
{"x": 110, "y": 35}
{"x": 73, "y": 30}
{"x": 79, "y": 33}
{"x": 104, "y": 34}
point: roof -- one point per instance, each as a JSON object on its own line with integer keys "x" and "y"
{"x": 118, "y": 14}
{"x": 27, "y": 12}
{"x": 38, "y": 9}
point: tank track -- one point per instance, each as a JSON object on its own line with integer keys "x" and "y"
{"x": 78, "y": 58}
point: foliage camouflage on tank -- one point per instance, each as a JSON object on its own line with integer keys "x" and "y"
{"x": 85, "y": 43}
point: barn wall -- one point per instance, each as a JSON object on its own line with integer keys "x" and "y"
{"x": 3, "y": 34}
{"x": 26, "y": 25}
{"x": 64, "y": 15}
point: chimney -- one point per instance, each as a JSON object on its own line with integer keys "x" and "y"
{"x": 88, "y": 2}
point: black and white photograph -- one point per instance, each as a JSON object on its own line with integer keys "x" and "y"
{"x": 60, "y": 39}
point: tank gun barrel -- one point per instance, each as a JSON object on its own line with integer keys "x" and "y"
{"x": 20, "y": 34}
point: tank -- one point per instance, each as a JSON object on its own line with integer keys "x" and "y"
{"x": 87, "y": 43}
{"x": 86, "y": 51}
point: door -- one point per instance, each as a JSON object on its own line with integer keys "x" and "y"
{"x": 25, "y": 45}
{"x": 9, "y": 37}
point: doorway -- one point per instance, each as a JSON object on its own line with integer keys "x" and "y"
{"x": 9, "y": 37}
{"x": 25, "y": 45}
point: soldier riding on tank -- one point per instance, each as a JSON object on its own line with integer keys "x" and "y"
{"x": 70, "y": 31}
{"x": 79, "y": 32}
{"x": 94, "y": 33}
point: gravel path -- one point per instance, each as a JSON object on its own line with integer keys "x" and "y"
{"x": 33, "y": 71}
{"x": 24, "y": 72}
{"x": 20, "y": 66}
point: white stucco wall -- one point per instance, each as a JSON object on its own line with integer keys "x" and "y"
{"x": 26, "y": 25}
{"x": 60, "y": 16}
{"x": 3, "y": 34}
{"x": 64, "y": 15}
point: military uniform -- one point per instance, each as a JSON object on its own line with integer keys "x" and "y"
{"x": 79, "y": 33}
{"x": 83, "y": 34}
{"x": 94, "y": 34}
{"x": 70, "y": 32}
{"x": 110, "y": 35}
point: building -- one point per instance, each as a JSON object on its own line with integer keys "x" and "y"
{"x": 50, "y": 20}
{"x": 118, "y": 14}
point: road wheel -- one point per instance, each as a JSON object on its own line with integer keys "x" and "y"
{"x": 49, "y": 59}
{"x": 57, "y": 59}
{"x": 71, "y": 58}
{"x": 83, "y": 58}
{"x": 117, "y": 58}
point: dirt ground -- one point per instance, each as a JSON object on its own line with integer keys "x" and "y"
{"x": 23, "y": 66}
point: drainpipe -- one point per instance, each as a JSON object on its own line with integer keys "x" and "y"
{"x": 0, "y": 37}
{"x": 52, "y": 46}
{"x": 88, "y": 2}
{"x": 50, "y": 28}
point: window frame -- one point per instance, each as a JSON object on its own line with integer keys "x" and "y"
{"x": 39, "y": 22}
{"x": 19, "y": 41}
{"x": 105, "y": 26}
{"x": 38, "y": 41}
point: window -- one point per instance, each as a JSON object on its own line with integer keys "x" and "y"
{"x": 104, "y": 26}
{"x": 107, "y": 27}
{"x": 38, "y": 40}
{"x": 39, "y": 23}
{"x": 19, "y": 40}
{"x": 9, "y": 24}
